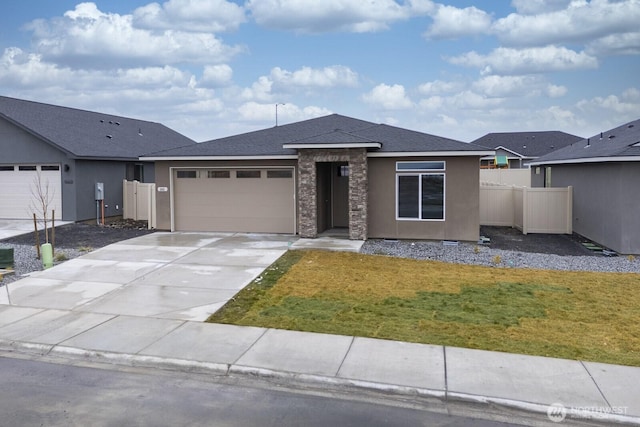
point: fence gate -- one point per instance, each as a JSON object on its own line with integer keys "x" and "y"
{"x": 139, "y": 202}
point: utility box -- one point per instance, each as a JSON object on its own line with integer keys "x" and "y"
{"x": 6, "y": 257}
{"x": 99, "y": 191}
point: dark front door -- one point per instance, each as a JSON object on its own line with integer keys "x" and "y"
{"x": 323, "y": 194}
{"x": 340, "y": 195}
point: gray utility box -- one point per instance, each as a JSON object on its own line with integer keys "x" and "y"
{"x": 6, "y": 257}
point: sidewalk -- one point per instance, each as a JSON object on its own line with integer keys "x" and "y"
{"x": 91, "y": 308}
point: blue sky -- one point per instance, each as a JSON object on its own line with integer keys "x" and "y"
{"x": 212, "y": 68}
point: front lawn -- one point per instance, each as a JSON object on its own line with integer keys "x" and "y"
{"x": 572, "y": 315}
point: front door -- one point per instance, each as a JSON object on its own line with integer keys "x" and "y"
{"x": 340, "y": 195}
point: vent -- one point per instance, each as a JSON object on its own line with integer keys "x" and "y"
{"x": 611, "y": 136}
{"x": 109, "y": 136}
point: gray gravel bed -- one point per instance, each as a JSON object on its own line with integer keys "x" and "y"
{"x": 25, "y": 261}
{"x": 468, "y": 253}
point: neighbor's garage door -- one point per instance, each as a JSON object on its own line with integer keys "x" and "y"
{"x": 256, "y": 200}
{"x": 20, "y": 194}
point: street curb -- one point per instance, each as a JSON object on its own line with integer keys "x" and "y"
{"x": 321, "y": 381}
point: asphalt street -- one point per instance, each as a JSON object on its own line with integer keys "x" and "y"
{"x": 37, "y": 393}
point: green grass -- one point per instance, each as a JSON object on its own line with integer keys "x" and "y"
{"x": 574, "y": 315}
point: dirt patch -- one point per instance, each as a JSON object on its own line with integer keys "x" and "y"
{"x": 512, "y": 239}
{"x": 87, "y": 235}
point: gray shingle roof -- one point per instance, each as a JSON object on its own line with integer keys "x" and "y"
{"x": 617, "y": 142}
{"x": 528, "y": 144}
{"x": 87, "y": 134}
{"x": 327, "y": 129}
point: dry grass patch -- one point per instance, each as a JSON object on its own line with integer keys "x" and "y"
{"x": 575, "y": 315}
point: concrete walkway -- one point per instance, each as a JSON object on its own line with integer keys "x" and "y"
{"x": 16, "y": 227}
{"x": 142, "y": 302}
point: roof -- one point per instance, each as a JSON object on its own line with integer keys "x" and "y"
{"x": 618, "y": 144}
{"x": 90, "y": 135}
{"x": 527, "y": 144}
{"x": 332, "y": 131}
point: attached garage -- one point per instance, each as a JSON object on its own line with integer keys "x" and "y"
{"x": 20, "y": 194}
{"x": 247, "y": 199}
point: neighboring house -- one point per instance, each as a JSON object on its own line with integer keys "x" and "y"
{"x": 374, "y": 180}
{"x": 516, "y": 149}
{"x": 72, "y": 150}
{"x": 604, "y": 171}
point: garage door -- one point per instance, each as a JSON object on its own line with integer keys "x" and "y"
{"x": 260, "y": 200}
{"x": 19, "y": 194}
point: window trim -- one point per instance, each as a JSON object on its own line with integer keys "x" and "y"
{"x": 418, "y": 169}
{"x": 420, "y": 175}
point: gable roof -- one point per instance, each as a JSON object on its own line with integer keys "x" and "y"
{"x": 527, "y": 144}
{"x": 330, "y": 131}
{"x": 615, "y": 145}
{"x": 87, "y": 134}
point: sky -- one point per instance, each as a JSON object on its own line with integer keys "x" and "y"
{"x": 213, "y": 68}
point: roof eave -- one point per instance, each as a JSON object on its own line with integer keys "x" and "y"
{"x": 432, "y": 154}
{"x": 234, "y": 157}
{"x": 586, "y": 160}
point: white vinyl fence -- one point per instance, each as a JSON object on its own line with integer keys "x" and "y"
{"x": 519, "y": 177}
{"x": 531, "y": 210}
{"x": 139, "y": 202}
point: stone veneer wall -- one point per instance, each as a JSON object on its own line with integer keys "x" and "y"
{"x": 358, "y": 189}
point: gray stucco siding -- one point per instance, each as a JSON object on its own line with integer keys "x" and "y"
{"x": 605, "y": 202}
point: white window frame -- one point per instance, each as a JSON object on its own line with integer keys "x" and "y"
{"x": 419, "y": 173}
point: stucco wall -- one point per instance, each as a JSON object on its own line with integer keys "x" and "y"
{"x": 462, "y": 202}
{"x": 606, "y": 202}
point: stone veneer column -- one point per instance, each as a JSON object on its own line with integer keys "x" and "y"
{"x": 307, "y": 189}
{"x": 307, "y": 198}
{"x": 358, "y": 194}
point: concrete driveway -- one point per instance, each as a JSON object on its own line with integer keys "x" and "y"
{"x": 185, "y": 276}
{"x": 182, "y": 276}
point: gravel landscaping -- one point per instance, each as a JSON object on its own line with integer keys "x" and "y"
{"x": 466, "y": 253}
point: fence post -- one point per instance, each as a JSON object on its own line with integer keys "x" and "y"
{"x": 525, "y": 209}
{"x": 570, "y": 209}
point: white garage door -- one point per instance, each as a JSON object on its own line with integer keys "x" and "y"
{"x": 260, "y": 200}
{"x": 20, "y": 194}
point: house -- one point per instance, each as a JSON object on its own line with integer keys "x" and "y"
{"x": 71, "y": 150}
{"x": 604, "y": 171}
{"x": 516, "y": 149}
{"x": 372, "y": 180}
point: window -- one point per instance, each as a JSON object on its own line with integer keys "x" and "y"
{"x": 343, "y": 170}
{"x": 187, "y": 174}
{"x": 6, "y": 168}
{"x": 419, "y": 166}
{"x": 218, "y": 174}
{"x": 284, "y": 173}
{"x": 50, "y": 168}
{"x": 420, "y": 195}
{"x": 247, "y": 174}
{"x": 27, "y": 168}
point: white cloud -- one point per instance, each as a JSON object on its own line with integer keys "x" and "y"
{"x": 438, "y": 87}
{"x": 527, "y": 61}
{"x": 287, "y": 113}
{"x": 616, "y": 44}
{"x": 517, "y": 86}
{"x": 90, "y": 38}
{"x": 333, "y": 76}
{"x": 259, "y": 90}
{"x": 626, "y": 107}
{"x": 580, "y": 21}
{"x": 334, "y": 15}
{"x": 388, "y": 97}
{"x": 216, "y": 75}
{"x": 451, "y": 22}
{"x": 190, "y": 16}
{"x": 533, "y": 7}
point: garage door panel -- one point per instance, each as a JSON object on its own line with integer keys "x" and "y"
{"x": 264, "y": 205}
{"x": 19, "y": 194}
